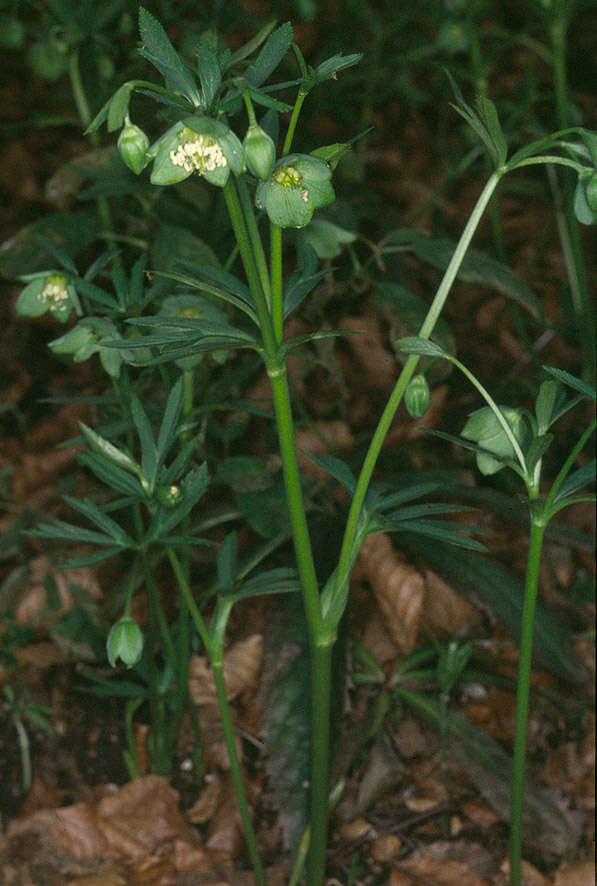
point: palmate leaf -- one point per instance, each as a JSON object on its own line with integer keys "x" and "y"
{"x": 254, "y": 43}
{"x": 95, "y": 515}
{"x": 484, "y": 120}
{"x": 159, "y": 51}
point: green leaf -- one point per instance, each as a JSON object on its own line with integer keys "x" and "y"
{"x": 106, "y": 449}
{"x": 112, "y": 475}
{"x": 160, "y": 52}
{"x": 90, "y": 510}
{"x": 193, "y": 487}
{"x": 59, "y": 529}
{"x": 286, "y": 717}
{"x": 336, "y": 467}
{"x": 271, "y": 54}
{"x": 338, "y": 62}
{"x": 227, "y": 561}
{"x": 484, "y": 120}
{"x": 210, "y": 75}
{"x": 412, "y": 344}
{"x": 149, "y": 459}
{"x": 546, "y": 403}
{"x": 537, "y": 449}
{"x": 573, "y": 382}
{"x": 119, "y": 106}
{"x": 254, "y": 43}
{"x": 582, "y": 477}
{"x": 169, "y": 426}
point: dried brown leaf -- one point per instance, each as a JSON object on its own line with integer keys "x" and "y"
{"x": 242, "y": 664}
{"x": 398, "y": 587}
{"x": 440, "y": 872}
{"x": 581, "y": 873}
{"x": 446, "y": 611}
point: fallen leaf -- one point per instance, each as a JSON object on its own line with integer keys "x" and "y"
{"x": 398, "y": 587}
{"x": 530, "y": 876}
{"x": 439, "y": 872}
{"x": 581, "y": 873}
{"x": 242, "y": 664}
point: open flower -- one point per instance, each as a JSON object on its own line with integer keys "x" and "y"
{"x": 299, "y": 184}
{"x": 196, "y": 144}
{"x": 47, "y": 292}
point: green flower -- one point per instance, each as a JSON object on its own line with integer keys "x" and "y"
{"x": 483, "y": 427}
{"x": 48, "y": 292}
{"x": 196, "y": 144}
{"x": 298, "y": 185}
{"x": 125, "y": 641}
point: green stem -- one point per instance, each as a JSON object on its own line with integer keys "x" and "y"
{"x": 302, "y": 95}
{"x": 321, "y": 675}
{"x": 216, "y": 659}
{"x": 405, "y": 376}
{"x": 538, "y": 525}
{"x": 568, "y": 225}
{"x": 84, "y": 113}
{"x": 276, "y": 277}
{"x": 294, "y": 497}
{"x": 244, "y": 244}
{"x": 254, "y": 237}
{"x": 235, "y": 771}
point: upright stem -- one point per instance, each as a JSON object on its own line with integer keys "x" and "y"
{"x": 85, "y": 117}
{"x": 522, "y": 695}
{"x": 407, "y": 373}
{"x": 216, "y": 660}
{"x": 277, "y": 284}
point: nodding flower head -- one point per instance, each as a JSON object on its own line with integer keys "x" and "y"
{"x": 48, "y": 292}
{"x": 196, "y": 144}
{"x": 298, "y": 185}
{"x": 55, "y": 293}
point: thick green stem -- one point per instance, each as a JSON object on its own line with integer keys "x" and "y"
{"x": 522, "y": 695}
{"x": 321, "y": 674}
{"x": 294, "y": 497}
{"x": 433, "y": 314}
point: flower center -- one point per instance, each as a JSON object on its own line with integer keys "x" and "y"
{"x": 197, "y": 152}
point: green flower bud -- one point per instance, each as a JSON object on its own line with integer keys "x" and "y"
{"x": 132, "y": 145}
{"x": 169, "y": 496}
{"x": 416, "y": 396}
{"x": 125, "y": 641}
{"x": 484, "y": 428}
{"x": 260, "y": 151}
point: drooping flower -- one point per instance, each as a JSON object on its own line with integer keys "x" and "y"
{"x": 196, "y": 144}
{"x": 298, "y": 185}
{"x": 48, "y": 292}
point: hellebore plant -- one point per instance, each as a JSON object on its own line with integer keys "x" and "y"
{"x": 503, "y": 437}
{"x": 262, "y": 186}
